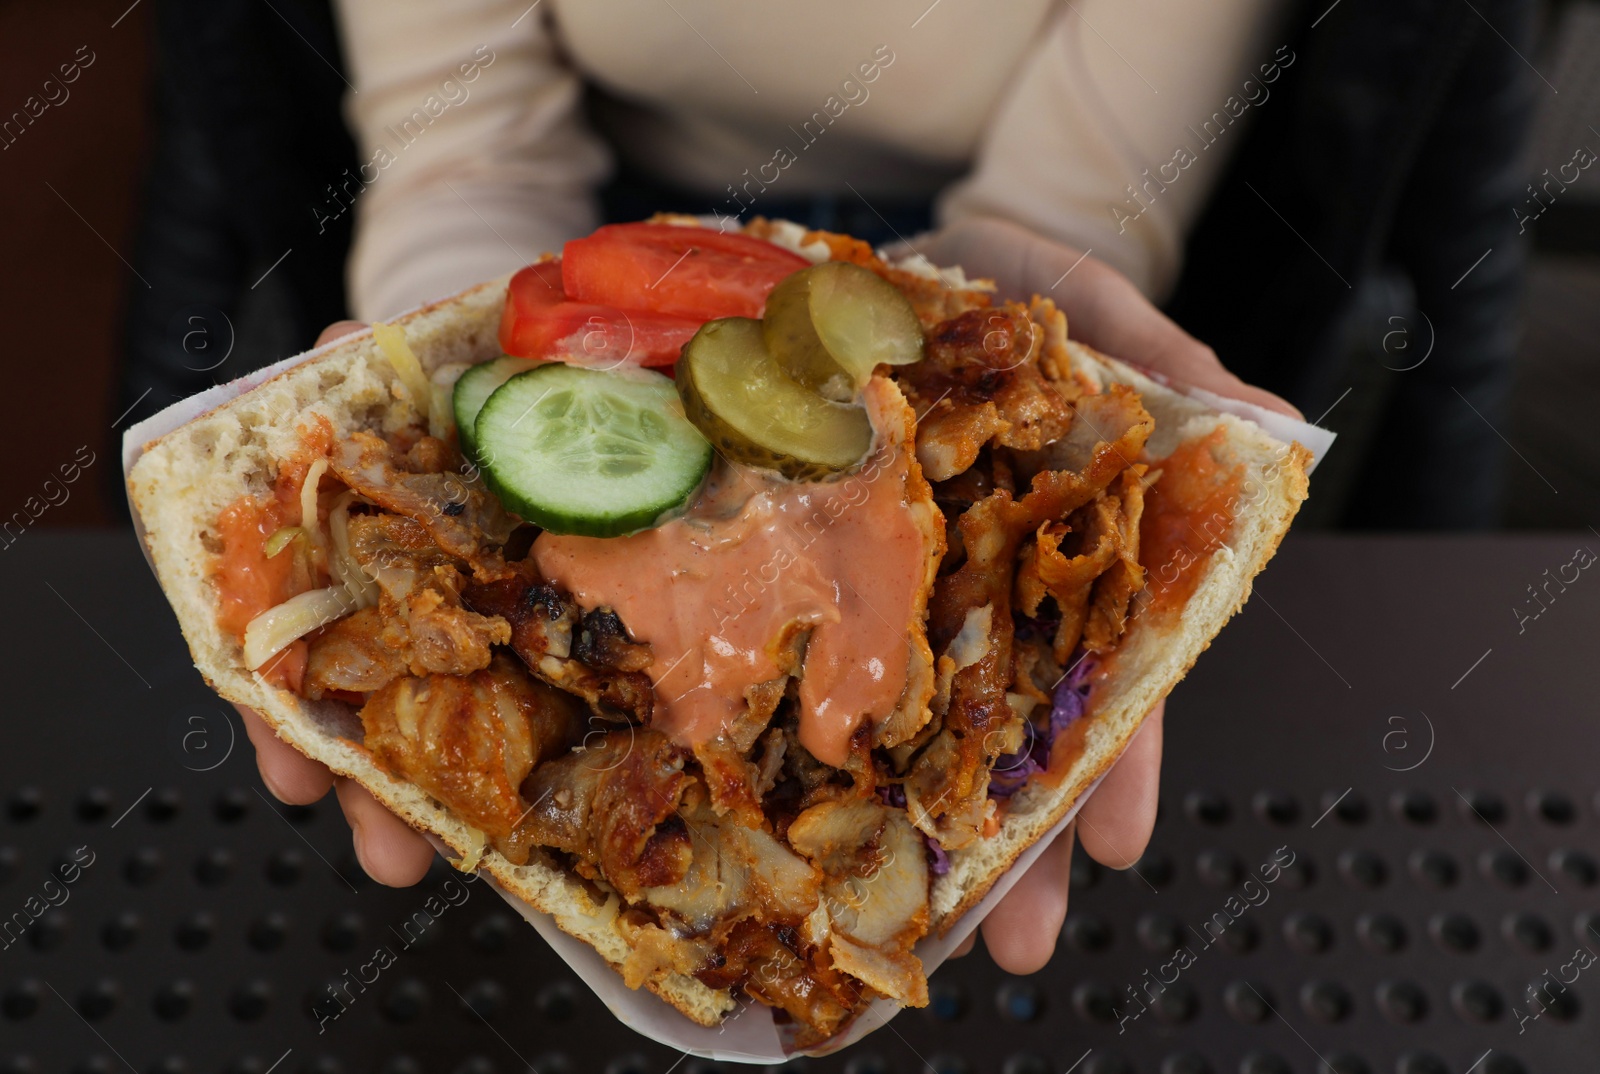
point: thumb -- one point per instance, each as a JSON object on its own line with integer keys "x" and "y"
{"x": 338, "y": 330}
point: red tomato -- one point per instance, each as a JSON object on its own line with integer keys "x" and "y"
{"x": 693, "y": 272}
{"x": 539, "y": 322}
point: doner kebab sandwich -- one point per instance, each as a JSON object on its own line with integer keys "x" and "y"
{"x": 744, "y": 601}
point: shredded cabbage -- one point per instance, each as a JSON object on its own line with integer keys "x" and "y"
{"x": 341, "y": 564}
{"x": 309, "y": 522}
{"x": 391, "y": 339}
{"x": 608, "y": 910}
{"x": 475, "y": 850}
{"x": 272, "y": 631}
{"x": 280, "y": 540}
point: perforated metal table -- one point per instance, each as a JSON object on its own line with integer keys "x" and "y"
{"x": 1425, "y": 754}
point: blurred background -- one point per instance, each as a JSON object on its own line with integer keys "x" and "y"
{"x": 146, "y": 213}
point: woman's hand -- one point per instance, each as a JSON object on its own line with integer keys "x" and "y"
{"x": 1103, "y": 308}
{"x": 389, "y": 849}
{"x": 1108, "y": 313}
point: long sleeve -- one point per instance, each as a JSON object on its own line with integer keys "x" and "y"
{"x": 475, "y": 158}
{"x": 1111, "y": 136}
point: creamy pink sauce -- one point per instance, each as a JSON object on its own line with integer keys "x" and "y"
{"x": 716, "y": 591}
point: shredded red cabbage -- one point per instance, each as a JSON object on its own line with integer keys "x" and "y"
{"x": 941, "y": 860}
{"x": 1013, "y": 770}
{"x": 1043, "y": 627}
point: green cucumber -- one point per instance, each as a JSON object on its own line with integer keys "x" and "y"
{"x": 582, "y": 451}
{"x": 473, "y": 389}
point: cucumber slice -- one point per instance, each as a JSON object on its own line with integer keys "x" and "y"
{"x": 737, "y": 394}
{"x": 473, "y": 389}
{"x": 601, "y": 454}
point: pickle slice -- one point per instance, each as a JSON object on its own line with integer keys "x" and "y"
{"x": 755, "y": 413}
{"x": 831, "y": 324}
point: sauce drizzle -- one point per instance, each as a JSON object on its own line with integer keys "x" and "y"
{"x": 723, "y": 593}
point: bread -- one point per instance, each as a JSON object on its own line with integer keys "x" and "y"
{"x": 1152, "y": 657}
{"x": 183, "y": 480}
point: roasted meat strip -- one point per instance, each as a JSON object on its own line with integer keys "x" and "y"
{"x": 352, "y": 656}
{"x": 419, "y": 624}
{"x": 471, "y": 740}
{"x": 947, "y": 787}
{"x": 547, "y": 632}
{"x": 613, "y": 803}
{"x": 875, "y": 891}
{"x": 1108, "y": 614}
{"x": 980, "y": 383}
{"x": 463, "y": 517}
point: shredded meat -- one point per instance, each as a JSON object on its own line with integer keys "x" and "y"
{"x": 351, "y": 656}
{"x": 836, "y": 832}
{"x": 951, "y": 435}
{"x": 543, "y": 621}
{"x": 419, "y": 624}
{"x": 602, "y": 640}
{"x": 444, "y": 637}
{"x": 470, "y": 740}
{"x": 876, "y": 891}
{"x": 396, "y": 552}
{"x": 1093, "y": 583}
{"x": 1113, "y": 417}
{"x": 430, "y": 455}
{"x": 947, "y": 787}
{"x": 732, "y": 779}
{"x": 980, "y": 383}
{"x": 1108, "y": 615}
{"x": 736, "y": 872}
{"x": 463, "y": 517}
{"x": 1045, "y": 570}
{"x": 775, "y": 966}
{"x": 614, "y": 804}
{"x": 773, "y": 747}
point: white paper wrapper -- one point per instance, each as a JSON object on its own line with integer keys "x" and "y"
{"x": 1316, "y": 439}
{"x": 749, "y": 1035}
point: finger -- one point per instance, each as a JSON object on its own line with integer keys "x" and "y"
{"x": 1114, "y": 824}
{"x": 965, "y": 947}
{"x": 339, "y": 329}
{"x": 390, "y": 851}
{"x": 1020, "y": 933}
{"x": 291, "y": 776}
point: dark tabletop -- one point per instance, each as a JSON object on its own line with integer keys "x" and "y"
{"x": 1390, "y": 713}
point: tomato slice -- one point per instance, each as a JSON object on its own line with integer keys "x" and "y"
{"x": 693, "y": 272}
{"x": 539, "y": 322}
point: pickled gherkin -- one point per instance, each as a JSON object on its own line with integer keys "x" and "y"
{"x": 830, "y": 325}
{"x": 734, "y": 391}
